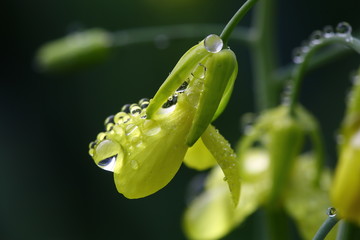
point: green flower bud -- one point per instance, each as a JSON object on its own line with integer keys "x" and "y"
{"x": 74, "y": 51}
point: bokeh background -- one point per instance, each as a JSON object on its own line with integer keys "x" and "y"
{"x": 49, "y": 187}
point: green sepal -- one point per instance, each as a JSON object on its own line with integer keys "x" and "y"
{"x": 181, "y": 72}
{"x": 227, "y": 94}
{"x": 75, "y": 51}
{"x": 219, "y": 70}
{"x": 226, "y": 158}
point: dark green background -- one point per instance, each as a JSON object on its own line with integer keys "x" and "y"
{"x": 49, "y": 186}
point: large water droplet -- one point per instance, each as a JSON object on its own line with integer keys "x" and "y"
{"x": 134, "y": 164}
{"x": 316, "y": 37}
{"x": 213, "y": 43}
{"x": 298, "y": 55}
{"x": 132, "y": 129}
{"x": 343, "y": 29}
{"x": 328, "y": 31}
{"x": 331, "y": 212}
{"x": 108, "y": 164}
{"x": 101, "y": 136}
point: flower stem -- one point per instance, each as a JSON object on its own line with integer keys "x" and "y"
{"x": 300, "y": 70}
{"x": 264, "y": 55}
{"x": 183, "y": 31}
{"x": 325, "y": 228}
{"x": 229, "y": 28}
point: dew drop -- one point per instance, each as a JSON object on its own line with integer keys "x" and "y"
{"x": 134, "y": 164}
{"x": 108, "y": 164}
{"x": 118, "y": 130}
{"x": 343, "y": 29}
{"x": 109, "y": 119}
{"x": 126, "y": 108}
{"x": 101, "y": 136}
{"x": 92, "y": 144}
{"x": 298, "y": 56}
{"x": 213, "y": 43}
{"x": 135, "y": 110}
{"x": 91, "y": 152}
{"x": 305, "y": 46}
{"x": 109, "y": 126}
{"x": 328, "y": 32}
{"x": 331, "y": 212}
{"x": 316, "y": 38}
{"x": 132, "y": 129}
{"x": 144, "y": 103}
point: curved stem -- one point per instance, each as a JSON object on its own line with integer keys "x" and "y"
{"x": 147, "y": 35}
{"x": 229, "y": 28}
{"x": 325, "y": 228}
{"x": 299, "y": 71}
{"x": 348, "y": 231}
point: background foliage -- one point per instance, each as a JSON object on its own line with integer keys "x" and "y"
{"x": 50, "y": 188}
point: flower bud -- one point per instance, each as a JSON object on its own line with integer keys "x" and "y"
{"x": 74, "y": 51}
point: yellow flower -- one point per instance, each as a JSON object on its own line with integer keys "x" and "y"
{"x": 345, "y": 192}
{"x": 145, "y": 143}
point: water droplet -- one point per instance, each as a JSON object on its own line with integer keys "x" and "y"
{"x": 108, "y": 164}
{"x": 101, "y": 136}
{"x": 343, "y": 29}
{"x": 126, "y": 108}
{"x": 91, "y": 152}
{"x": 298, "y": 55}
{"x": 213, "y": 43}
{"x": 118, "y": 130}
{"x": 171, "y": 101}
{"x": 151, "y": 128}
{"x": 109, "y": 127}
{"x": 132, "y": 129}
{"x": 305, "y": 47}
{"x": 182, "y": 88}
{"x": 119, "y": 116}
{"x": 134, "y": 164}
{"x": 109, "y": 119}
{"x": 328, "y": 32}
{"x": 92, "y": 144}
{"x": 144, "y": 103}
{"x": 331, "y": 212}
{"x": 161, "y": 41}
{"x": 135, "y": 110}
{"x": 316, "y": 37}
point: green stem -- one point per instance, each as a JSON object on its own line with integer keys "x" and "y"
{"x": 147, "y": 35}
{"x": 229, "y": 28}
{"x": 348, "y": 231}
{"x": 277, "y": 223}
{"x": 325, "y": 228}
{"x": 264, "y": 55}
{"x": 300, "y": 70}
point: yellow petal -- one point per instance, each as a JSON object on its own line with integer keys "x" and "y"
{"x": 199, "y": 157}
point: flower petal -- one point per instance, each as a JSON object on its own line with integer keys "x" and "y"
{"x": 199, "y": 157}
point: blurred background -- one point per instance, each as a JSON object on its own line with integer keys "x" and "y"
{"x": 50, "y": 187}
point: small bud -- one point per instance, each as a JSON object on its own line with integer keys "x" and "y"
{"x": 73, "y": 52}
